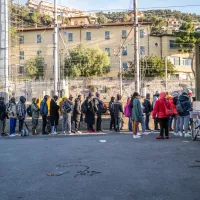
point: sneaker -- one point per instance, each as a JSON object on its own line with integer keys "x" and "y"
{"x": 3, "y": 134}
{"x": 90, "y": 131}
{"x": 167, "y": 137}
{"x": 181, "y": 134}
{"x": 175, "y": 134}
{"x": 136, "y": 136}
{"x": 79, "y": 132}
{"x": 139, "y": 134}
{"x": 159, "y": 137}
{"x": 12, "y": 135}
{"x": 54, "y": 133}
{"x": 187, "y": 135}
{"x": 45, "y": 133}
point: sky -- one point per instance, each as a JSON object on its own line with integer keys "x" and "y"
{"x": 96, "y": 5}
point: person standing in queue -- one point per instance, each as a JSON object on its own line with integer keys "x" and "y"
{"x": 112, "y": 117}
{"x": 44, "y": 114}
{"x": 77, "y": 114}
{"x": 54, "y": 114}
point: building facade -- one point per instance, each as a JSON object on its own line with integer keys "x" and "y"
{"x": 39, "y": 41}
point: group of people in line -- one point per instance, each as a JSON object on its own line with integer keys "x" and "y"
{"x": 165, "y": 108}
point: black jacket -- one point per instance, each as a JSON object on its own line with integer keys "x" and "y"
{"x": 147, "y": 106}
{"x": 118, "y": 109}
{"x": 3, "y": 113}
{"x": 54, "y": 109}
{"x": 77, "y": 110}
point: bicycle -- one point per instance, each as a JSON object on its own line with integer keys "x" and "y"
{"x": 195, "y": 125}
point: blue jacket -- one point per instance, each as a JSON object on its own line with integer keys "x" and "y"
{"x": 186, "y": 105}
{"x": 43, "y": 107}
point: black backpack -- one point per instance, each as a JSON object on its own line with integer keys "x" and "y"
{"x": 66, "y": 108}
{"x": 29, "y": 111}
{"x": 84, "y": 108}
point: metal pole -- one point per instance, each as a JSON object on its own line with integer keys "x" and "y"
{"x": 136, "y": 42}
{"x": 166, "y": 72}
{"x": 55, "y": 49}
{"x": 120, "y": 72}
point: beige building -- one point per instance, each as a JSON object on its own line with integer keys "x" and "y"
{"x": 34, "y": 41}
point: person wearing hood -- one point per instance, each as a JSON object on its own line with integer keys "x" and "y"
{"x": 118, "y": 113}
{"x": 136, "y": 114}
{"x": 3, "y": 116}
{"x": 35, "y": 115}
{"x": 185, "y": 115}
{"x": 54, "y": 114}
{"x": 159, "y": 111}
{"x": 90, "y": 112}
{"x": 155, "y": 98}
{"x": 77, "y": 114}
{"x": 44, "y": 113}
{"x": 12, "y": 114}
{"x": 111, "y": 109}
{"x": 67, "y": 109}
{"x": 21, "y": 112}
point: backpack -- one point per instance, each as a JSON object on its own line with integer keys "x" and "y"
{"x": 84, "y": 108}
{"x": 29, "y": 111}
{"x": 66, "y": 108}
{"x": 179, "y": 108}
{"x": 127, "y": 110}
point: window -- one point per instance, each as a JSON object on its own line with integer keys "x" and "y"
{"x": 141, "y": 33}
{"x": 175, "y": 60}
{"x": 70, "y": 37}
{"x": 39, "y": 52}
{"x": 39, "y": 39}
{"x": 124, "y": 51}
{"x": 172, "y": 44}
{"x": 124, "y": 66}
{"x": 107, "y": 35}
{"x": 124, "y": 34}
{"x": 174, "y": 76}
{"x": 187, "y": 61}
{"x": 21, "y": 69}
{"x": 107, "y": 50}
{"x": 21, "y": 55}
{"x": 142, "y": 50}
{"x": 21, "y": 39}
{"x": 88, "y": 35}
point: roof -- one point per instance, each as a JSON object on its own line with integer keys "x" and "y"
{"x": 82, "y": 26}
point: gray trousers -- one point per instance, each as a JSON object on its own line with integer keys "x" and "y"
{"x": 2, "y": 126}
{"x": 184, "y": 122}
{"x": 66, "y": 123}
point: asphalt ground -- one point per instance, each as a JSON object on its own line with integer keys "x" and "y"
{"x": 99, "y": 167}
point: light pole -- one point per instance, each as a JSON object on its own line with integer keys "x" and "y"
{"x": 55, "y": 49}
{"x": 136, "y": 45}
{"x": 166, "y": 72}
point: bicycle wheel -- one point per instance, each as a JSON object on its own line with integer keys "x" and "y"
{"x": 194, "y": 131}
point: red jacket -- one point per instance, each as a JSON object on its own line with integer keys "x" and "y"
{"x": 173, "y": 106}
{"x": 159, "y": 108}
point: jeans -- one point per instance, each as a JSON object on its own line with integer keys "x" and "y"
{"x": 99, "y": 120}
{"x": 143, "y": 124}
{"x": 184, "y": 121}
{"x": 176, "y": 123}
{"x": 2, "y": 126}
{"x": 170, "y": 121}
{"x": 118, "y": 123}
{"x": 147, "y": 121}
{"x": 66, "y": 123}
{"x": 112, "y": 122}
{"x": 21, "y": 125}
{"x": 164, "y": 126}
{"x": 130, "y": 124}
{"x": 44, "y": 122}
{"x": 12, "y": 125}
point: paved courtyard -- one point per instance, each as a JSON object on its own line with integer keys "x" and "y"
{"x": 99, "y": 167}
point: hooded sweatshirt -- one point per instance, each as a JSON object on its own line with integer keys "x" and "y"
{"x": 185, "y": 104}
{"x": 159, "y": 109}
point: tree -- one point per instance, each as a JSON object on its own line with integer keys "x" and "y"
{"x": 86, "y": 62}
{"x": 46, "y": 20}
{"x": 151, "y": 66}
{"x": 186, "y": 38}
{"x": 102, "y": 19}
{"x": 34, "y": 67}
